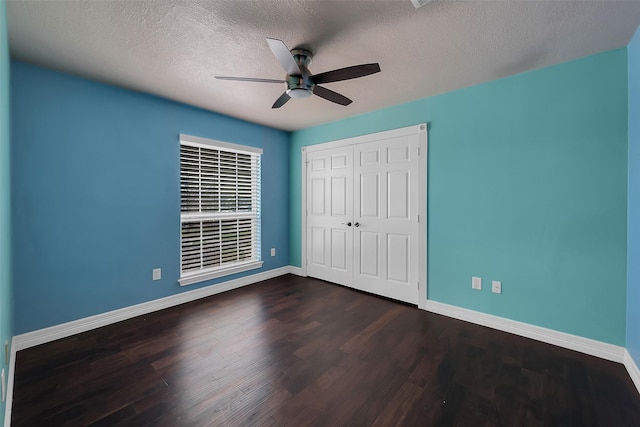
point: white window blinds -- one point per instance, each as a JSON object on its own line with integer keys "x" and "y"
{"x": 219, "y": 209}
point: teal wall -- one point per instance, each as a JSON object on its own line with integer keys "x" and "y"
{"x": 96, "y": 194}
{"x": 633, "y": 217}
{"x": 6, "y": 306}
{"x": 527, "y": 184}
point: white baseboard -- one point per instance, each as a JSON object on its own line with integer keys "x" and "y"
{"x": 9, "y": 399}
{"x": 52, "y": 333}
{"x": 561, "y": 339}
{"x": 297, "y": 271}
{"x": 632, "y": 368}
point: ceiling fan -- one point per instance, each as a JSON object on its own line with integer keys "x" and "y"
{"x": 300, "y": 82}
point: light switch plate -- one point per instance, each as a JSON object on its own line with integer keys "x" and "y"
{"x": 157, "y": 273}
{"x": 273, "y": 251}
{"x": 476, "y": 283}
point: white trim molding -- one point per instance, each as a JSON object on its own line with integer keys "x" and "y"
{"x": 387, "y": 134}
{"x": 561, "y": 339}
{"x": 201, "y": 276}
{"x": 209, "y": 143}
{"x": 298, "y": 271}
{"x": 632, "y": 368}
{"x": 52, "y": 333}
{"x": 303, "y": 212}
{"x": 9, "y": 399}
{"x": 423, "y": 238}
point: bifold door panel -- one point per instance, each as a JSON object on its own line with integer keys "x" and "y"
{"x": 330, "y": 207}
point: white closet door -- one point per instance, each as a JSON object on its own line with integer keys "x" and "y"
{"x": 329, "y": 211}
{"x": 363, "y": 198}
{"x": 385, "y": 218}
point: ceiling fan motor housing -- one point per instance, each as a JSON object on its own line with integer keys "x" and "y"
{"x": 300, "y": 86}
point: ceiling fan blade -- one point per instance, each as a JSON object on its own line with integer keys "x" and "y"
{"x": 330, "y": 95}
{"x": 346, "y": 73}
{"x": 249, "y": 79}
{"x": 284, "y": 57}
{"x": 281, "y": 101}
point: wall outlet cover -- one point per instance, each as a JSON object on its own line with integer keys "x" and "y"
{"x": 476, "y": 283}
{"x": 496, "y": 287}
{"x": 157, "y": 273}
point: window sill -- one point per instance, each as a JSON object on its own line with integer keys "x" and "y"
{"x": 190, "y": 279}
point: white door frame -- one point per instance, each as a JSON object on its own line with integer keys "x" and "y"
{"x": 420, "y": 129}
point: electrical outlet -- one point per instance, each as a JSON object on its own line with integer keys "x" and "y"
{"x": 157, "y": 273}
{"x": 496, "y": 287}
{"x": 273, "y": 251}
{"x": 476, "y": 283}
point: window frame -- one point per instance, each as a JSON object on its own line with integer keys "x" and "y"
{"x": 228, "y": 268}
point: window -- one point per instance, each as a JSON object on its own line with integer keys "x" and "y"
{"x": 219, "y": 209}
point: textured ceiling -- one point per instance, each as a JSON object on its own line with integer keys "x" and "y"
{"x": 174, "y": 48}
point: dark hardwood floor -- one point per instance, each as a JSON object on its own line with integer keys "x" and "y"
{"x": 293, "y": 351}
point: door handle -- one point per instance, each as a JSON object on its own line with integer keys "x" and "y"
{"x": 348, "y": 224}
{"x": 357, "y": 224}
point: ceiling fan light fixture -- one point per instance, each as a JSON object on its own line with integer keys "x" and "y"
{"x": 419, "y": 3}
{"x": 299, "y": 92}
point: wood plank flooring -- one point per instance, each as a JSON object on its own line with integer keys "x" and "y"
{"x": 295, "y": 351}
